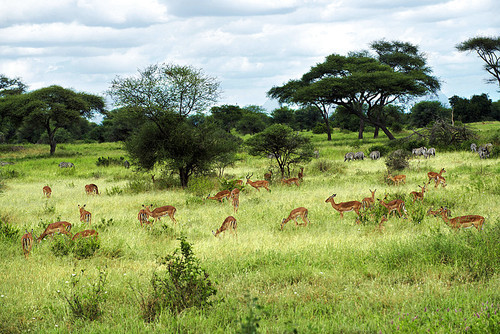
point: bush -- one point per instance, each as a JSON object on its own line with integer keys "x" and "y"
{"x": 201, "y": 186}
{"x": 8, "y": 232}
{"x": 106, "y": 162}
{"x": 84, "y": 248}
{"x": 61, "y": 245}
{"x": 398, "y": 160}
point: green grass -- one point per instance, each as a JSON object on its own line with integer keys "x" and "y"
{"x": 331, "y": 276}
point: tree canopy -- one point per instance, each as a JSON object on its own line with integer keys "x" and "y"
{"x": 488, "y": 49}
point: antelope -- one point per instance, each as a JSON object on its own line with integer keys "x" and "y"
{"x": 440, "y": 180}
{"x": 161, "y": 212}
{"x": 228, "y": 224}
{"x": 220, "y": 195}
{"x": 295, "y": 214}
{"x": 290, "y": 181}
{"x": 91, "y": 189}
{"x": 381, "y": 224}
{"x": 258, "y": 184}
{"x": 393, "y": 206}
{"x": 434, "y": 213}
{"x": 434, "y": 175}
{"x": 397, "y": 178}
{"x": 369, "y": 201}
{"x": 235, "y": 196}
{"x": 27, "y": 243}
{"x": 85, "y": 216}
{"x": 238, "y": 182}
{"x": 143, "y": 217}
{"x": 47, "y": 191}
{"x": 61, "y": 227}
{"x": 419, "y": 194}
{"x": 268, "y": 176}
{"x": 301, "y": 173}
{"x": 85, "y": 233}
{"x": 344, "y": 206}
{"x": 462, "y": 221}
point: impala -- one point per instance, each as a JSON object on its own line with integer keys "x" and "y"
{"x": 59, "y": 227}
{"x": 295, "y": 214}
{"x": 268, "y": 176}
{"x": 85, "y": 216}
{"x": 143, "y": 217}
{"x": 47, "y": 191}
{"x": 393, "y": 206}
{"x": 301, "y": 173}
{"x": 228, "y": 224}
{"x": 434, "y": 213}
{"x": 440, "y": 180}
{"x": 344, "y": 206}
{"x": 369, "y": 201}
{"x": 291, "y": 181}
{"x": 220, "y": 195}
{"x": 381, "y": 224}
{"x": 258, "y": 184}
{"x": 27, "y": 243}
{"x": 419, "y": 194}
{"x": 235, "y": 196}
{"x": 161, "y": 212}
{"x": 397, "y": 178}
{"x": 462, "y": 221}
{"x": 433, "y": 175}
{"x": 91, "y": 189}
{"x": 85, "y": 233}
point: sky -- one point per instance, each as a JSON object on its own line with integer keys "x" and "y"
{"x": 248, "y": 45}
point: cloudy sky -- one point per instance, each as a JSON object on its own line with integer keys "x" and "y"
{"x": 249, "y": 45}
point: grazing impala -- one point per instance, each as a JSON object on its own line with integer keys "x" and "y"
{"x": 228, "y": 224}
{"x": 381, "y": 224}
{"x": 161, "y": 212}
{"x": 59, "y": 227}
{"x": 397, "y": 178}
{"x": 220, "y": 195}
{"x": 462, "y": 221}
{"x": 440, "y": 180}
{"x": 369, "y": 201}
{"x": 291, "y": 181}
{"x": 85, "y": 233}
{"x": 47, "y": 191}
{"x": 295, "y": 214}
{"x": 433, "y": 175}
{"x": 393, "y": 206}
{"x": 27, "y": 243}
{"x": 434, "y": 213}
{"x": 235, "y": 196}
{"x": 85, "y": 216}
{"x": 419, "y": 194}
{"x": 344, "y": 206}
{"x": 301, "y": 173}
{"x": 258, "y": 184}
{"x": 91, "y": 189}
{"x": 143, "y": 217}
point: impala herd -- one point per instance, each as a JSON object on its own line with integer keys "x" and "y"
{"x": 230, "y": 223}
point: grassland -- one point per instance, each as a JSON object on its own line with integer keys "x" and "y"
{"x": 332, "y": 276}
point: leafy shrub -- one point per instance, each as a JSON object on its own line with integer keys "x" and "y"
{"x": 250, "y": 324}
{"x": 9, "y": 174}
{"x": 8, "y": 232}
{"x": 85, "y": 300}
{"x": 398, "y": 160}
{"x": 84, "y": 248}
{"x": 61, "y": 245}
{"x": 115, "y": 190}
{"x": 104, "y": 224}
{"x": 139, "y": 186}
{"x": 202, "y": 186}
{"x": 106, "y": 162}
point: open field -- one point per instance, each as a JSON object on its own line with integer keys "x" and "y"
{"x": 332, "y": 276}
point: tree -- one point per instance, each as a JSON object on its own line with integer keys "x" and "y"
{"x": 426, "y": 112}
{"x": 478, "y": 108}
{"x": 227, "y": 116}
{"x": 50, "y": 109}
{"x": 11, "y": 86}
{"x": 253, "y": 120}
{"x": 487, "y": 48}
{"x": 363, "y": 84}
{"x": 283, "y": 143}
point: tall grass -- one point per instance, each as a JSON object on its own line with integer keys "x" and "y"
{"x": 332, "y": 276}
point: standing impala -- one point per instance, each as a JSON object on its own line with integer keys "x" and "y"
{"x": 397, "y": 179}
{"x": 85, "y": 233}
{"x": 369, "y": 201}
{"x": 344, "y": 206}
{"x": 220, "y": 195}
{"x": 59, "y": 227}
{"x": 228, "y": 224}
{"x": 47, "y": 191}
{"x": 85, "y": 216}
{"x": 290, "y": 181}
{"x": 91, "y": 189}
{"x": 258, "y": 184}
{"x": 295, "y": 214}
{"x": 162, "y": 211}
{"x": 440, "y": 180}
{"x": 393, "y": 206}
{"x": 301, "y": 173}
{"x": 235, "y": 195}
{"x": 462, "y": 221}
{"x": 419, "y": 194}
{"x": 27, "y": 243}
{"x": 143, "y": 217}
{"x": 433, "y": 175}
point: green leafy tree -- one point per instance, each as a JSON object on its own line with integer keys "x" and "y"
{"x": 426, "y": 112}
{"x": 478, "y": 108}
{"x": 253, "y": 120}
{"x": 488, "y": 49}
{"x": 10, "y": 86}
{"x": 284, "y": 144}
{"x": 227, "y": 116}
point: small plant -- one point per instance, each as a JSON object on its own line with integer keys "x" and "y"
{"x": 61, "y": 245}
{"x": 250, "y": 323}
{"x": 398, "y": 160}
{"x": 114, "y": 191}
{"x": 106, "y": 162}
{"x": 48, "y": 209}
{"x": 84, "y": 248}
{"x": 104, "y": 224}
{"x": 8, "y": 232}
{"x": 85, "y": 300}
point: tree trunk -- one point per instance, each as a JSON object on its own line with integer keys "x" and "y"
{"x": 184, "y": 177}
{"x": 375, "y": 133}
{"x": 52, "y": 142}
{"x": 361, "y": 128}
{"x": 328, "y": 130}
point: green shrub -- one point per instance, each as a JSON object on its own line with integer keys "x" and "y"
{"x": 398, "y": 160}
{"x": 61, "y": 245}
{"x": 8, "y": 232}
{"x": 106, "y": 162}
{"x": 250, "y": 323}
{"x": 202, "y": 186}
{"x": 84, "y": 248}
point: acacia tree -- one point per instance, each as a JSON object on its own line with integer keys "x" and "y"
{"x": 283, "y": 143}
{"x": 50, "y": 109}
{"x": 488, "y": 49}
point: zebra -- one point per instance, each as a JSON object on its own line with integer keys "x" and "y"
{"x": 359, "y": 156}
{"x": 66, "y": 165}
{"x": 375, "y": 155}
{"x": 473, "y": 147}
{"x": 349, "y": 156}
{"x": 431, "y": 151}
